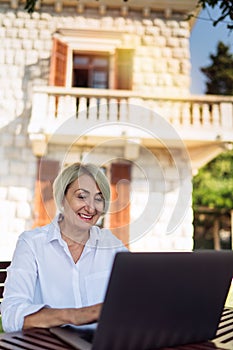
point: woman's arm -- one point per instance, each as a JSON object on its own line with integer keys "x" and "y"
{"x": 49, "y": 317}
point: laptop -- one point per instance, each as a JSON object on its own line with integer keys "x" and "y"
{"x": 157, "y": 300}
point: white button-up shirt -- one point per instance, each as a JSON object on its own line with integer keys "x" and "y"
{"x": 43, "y": 273}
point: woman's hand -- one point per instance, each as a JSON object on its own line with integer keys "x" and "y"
{"x": 49, "y": 317}
{"x": 85, "y": 315}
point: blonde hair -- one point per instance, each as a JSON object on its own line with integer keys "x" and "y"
{"x": 71, "y": 173}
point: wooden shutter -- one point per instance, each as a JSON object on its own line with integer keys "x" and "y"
{"x": 58, "y": 63}
{"x": 45, "y": 208}
{"x": 124, "y": 64}
{"x": 120, "y": 207}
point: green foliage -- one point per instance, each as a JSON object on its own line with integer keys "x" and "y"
{"x": 226, "y": 9}
{"x": 220, "y": 72}
{"x": 213, "y": 185}
{"x": 30, "y": 5}
{"x": 1, "y": 330}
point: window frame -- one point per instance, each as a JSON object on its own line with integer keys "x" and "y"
{"x": 93, "y": 43}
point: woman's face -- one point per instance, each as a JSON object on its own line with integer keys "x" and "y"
{"x": 83, "y": 202}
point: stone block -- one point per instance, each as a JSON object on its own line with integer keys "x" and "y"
{"x": 30, "y": 24}
{"x": 2, "y": 32}
{"x": 17, "y": 226}
{"x": 33, "y": 34}
{"x": 6, "y": 140}
{"x": 23, "y": 15}
{"x": 147, "y": 22}
{"x": 46, "y": 16}
{"x": 38, "y": 44}
{"x": 16, "y": 44}
{"x": 7, "y": 209}
{"x": 36, "y": 15}
{"x": 160, "y": 41}
{"x": 42, "y": 25}
{"x": 180, "y": 53}
{"x": 172, "y": 24}
{"x": 11, "y": 32}
{"x": 2, "y": 61}
{"x": 172, "y": 42}
{"x": 159, "y": 23}
{"x": 7, "y": 22}
{"x": 45, "y": 34}
{"x": 9, "y": 57}
{"x": 32, "y": 57}
{"x": 10, "y": 14}
{"x": 27, "y": 44}
{"x": 23, "y": 33}
{"x": 23, "y": 210}
{"x": 147, "y": 40}
{"x": 17, "y": 168}
{"x": 180, "y": 33}
{"x": 3, "y": 193}
{"x": 19, "y": 23}
{"x": 18, "y": 194}
{"x": 20, "y": 141}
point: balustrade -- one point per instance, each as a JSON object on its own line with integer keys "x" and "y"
{"x": 53, "y": 106}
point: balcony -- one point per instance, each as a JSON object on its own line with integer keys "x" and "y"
{"x": 87, "y": 116}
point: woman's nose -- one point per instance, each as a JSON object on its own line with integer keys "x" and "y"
{"x": 90, "y": 206}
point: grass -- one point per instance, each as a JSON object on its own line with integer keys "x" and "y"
{"x": 229, "y": 301}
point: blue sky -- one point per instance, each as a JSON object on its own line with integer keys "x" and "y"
{"x": 203, "y": 41}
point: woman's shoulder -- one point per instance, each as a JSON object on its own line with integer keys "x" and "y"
{"x": 35, "y": 233}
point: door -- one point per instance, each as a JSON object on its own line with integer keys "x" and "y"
{"x": 120, "y": 201}
{"x": 45, "y": 208}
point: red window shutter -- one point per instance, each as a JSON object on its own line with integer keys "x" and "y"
{"x": 120, "y": 207}
{"x": 124, "y": 64}
{"x": 45, "y": 208}
{"x": 58, "y": 63}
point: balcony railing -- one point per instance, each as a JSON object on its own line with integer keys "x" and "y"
{"x": 69, "y": 111}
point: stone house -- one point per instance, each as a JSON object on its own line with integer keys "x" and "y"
{"x": 106, "y": 82}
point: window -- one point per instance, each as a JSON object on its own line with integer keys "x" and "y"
{"x": 90, "y": 71}
{"x": 88, "y": 68}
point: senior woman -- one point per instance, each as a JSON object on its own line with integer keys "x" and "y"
{"x": 59, "y": 272}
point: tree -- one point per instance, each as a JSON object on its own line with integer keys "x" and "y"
{"x": 213, "y": 203}
{"x": 225, "y": 7}
{"x": 220, "y": 72}
{"x": 213, "y": 185}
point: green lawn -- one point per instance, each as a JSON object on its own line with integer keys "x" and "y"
{"x": 229, "y": 302}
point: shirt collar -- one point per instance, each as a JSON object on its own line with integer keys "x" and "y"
{"x": 54, "y": 230}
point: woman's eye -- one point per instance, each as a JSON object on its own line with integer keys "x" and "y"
{"x": 80, "y": 196}
{"x": 99, "y": 199}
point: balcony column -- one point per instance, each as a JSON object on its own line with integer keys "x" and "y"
{"x": 215, "y": 115}
{"x": 205, "y": 114}
{"x": 196, "y": 114}
{"x": 226, "y": 114}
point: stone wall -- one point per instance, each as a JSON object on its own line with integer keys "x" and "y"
{"x": 161, "y": 66}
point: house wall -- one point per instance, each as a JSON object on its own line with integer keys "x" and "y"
{"x": 161, "y": 66}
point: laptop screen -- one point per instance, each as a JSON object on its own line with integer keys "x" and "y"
{"x": 158, "y": 300}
